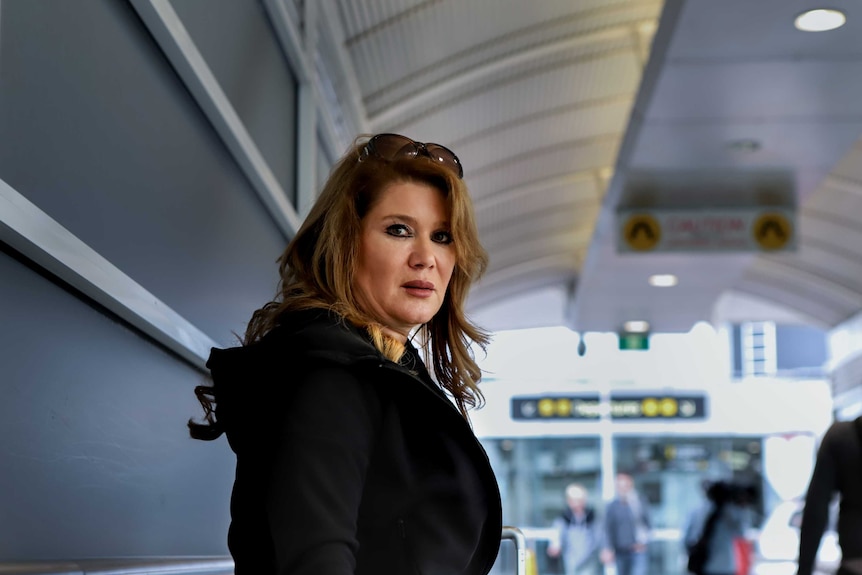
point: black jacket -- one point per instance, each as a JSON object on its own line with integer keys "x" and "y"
{"x": 838, "y": 469}
{"x": 348, "y": 463}
{"x": 568, "y": 516}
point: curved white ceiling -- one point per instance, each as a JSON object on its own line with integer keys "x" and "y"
{"x": 553, "y": 105}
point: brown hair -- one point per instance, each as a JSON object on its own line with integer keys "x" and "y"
{"x": 318, "y": 266}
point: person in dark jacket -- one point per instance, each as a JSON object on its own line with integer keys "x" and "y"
{"x": 352, "y": 457}
{"x": 726, "y": 514}
{"x": 837, "y": 471}
{"x": 627, "y": 529}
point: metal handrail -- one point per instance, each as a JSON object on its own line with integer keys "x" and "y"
{"x": 517, "y": 537}
{"x": 126, "y": 566}
{"x": 185, "y": 565}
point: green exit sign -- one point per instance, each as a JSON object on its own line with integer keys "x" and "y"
{"x": 634, "y": 341}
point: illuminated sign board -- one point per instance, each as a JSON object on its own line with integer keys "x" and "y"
{"x": 622, "y": 407}
{"x": 659, "y": 406}
{"x": 765, "y": 229}
{"x": 634, "y": 341}
{"x": 556, "y": 407}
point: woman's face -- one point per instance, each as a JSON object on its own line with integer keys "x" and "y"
{"x": 406, "y": 257}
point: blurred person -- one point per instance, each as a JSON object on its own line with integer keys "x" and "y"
{"x": 712, "y": 531}
{"x": 626, "y": 530}
{"x": 352, "y": 458}
{"x": 578, "y": 534}
{"x": 743, "y": 545}
{"x": 837, "y": 471}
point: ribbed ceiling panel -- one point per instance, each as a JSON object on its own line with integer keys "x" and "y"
{"x": 839, "y": 230}
{"x": 839, "y": 267}
{"x": 545, "y": 130}
{"x": 562, "y": 244}
{"x": 808, "y": 304}
{"x": 362, "y": 17}
{"x": 440, "y": 40}
{"x": 539, "y": 226}
{"x": 500, "y": 210}
{"x": 529, "y": 275}
{"x": 828, "y": 266}
{"x": 797, "y": 290}
{"x": 555, "y": 160}
{"x": 550, "y": 82}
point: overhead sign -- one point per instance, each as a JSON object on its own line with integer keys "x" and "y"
{"x": 590, "y": 407}
{"x": 766, "y": 229}
{"x": 641, "y": 232}
{"x": 662, "y": 406}
{"x": 556, "y": 407}
{"x": 639, "y": 341}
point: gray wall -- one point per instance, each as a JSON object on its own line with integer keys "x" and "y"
{"x": 99, "y": 132}
{"x": 94, "y": 455}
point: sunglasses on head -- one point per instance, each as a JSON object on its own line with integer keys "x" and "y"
{"x": 393, "y": 146}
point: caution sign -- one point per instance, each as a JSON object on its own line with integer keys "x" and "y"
{"x": 642, "y": 232}
{"x": 753, "y": 229}
{"x": 772, "y": 231}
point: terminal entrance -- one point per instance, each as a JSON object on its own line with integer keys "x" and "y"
{"x": 668, "y": 471}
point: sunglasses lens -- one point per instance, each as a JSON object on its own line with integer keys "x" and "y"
{"x": 391, "y": 146}
{"x": 446, "y": 157}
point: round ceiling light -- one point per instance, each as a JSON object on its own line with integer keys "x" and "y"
{"x": 820, "y": 20}
{"x": 744, "y": 146}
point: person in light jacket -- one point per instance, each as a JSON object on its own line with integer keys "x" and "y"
{"x": 578, "y": 534}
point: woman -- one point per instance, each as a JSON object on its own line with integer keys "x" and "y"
{"x": 351, "y": 457}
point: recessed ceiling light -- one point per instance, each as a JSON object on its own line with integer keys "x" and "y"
{"x": 663, "y": 280}
{"x": 820, "y": 20}
{"x": 743, "y": 146}
{"x": 636, "y": 326}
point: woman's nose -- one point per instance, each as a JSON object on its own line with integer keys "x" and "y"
{"x": 422, "y": 255}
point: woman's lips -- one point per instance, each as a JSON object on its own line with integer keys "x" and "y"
{"x": 419, "y": 288}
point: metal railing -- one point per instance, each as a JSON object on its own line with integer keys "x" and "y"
{"x": 185, "y": 565}
{"x": 517, "y": 537}
{"x": 124, "y": 566}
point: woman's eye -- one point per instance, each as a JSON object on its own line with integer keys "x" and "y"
{"x": 442, "y": 237}
{"x": 398, "y": 230}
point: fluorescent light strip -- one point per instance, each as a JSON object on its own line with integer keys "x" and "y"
{"x": 636, "y": 326}
{"x": 663, "y": 280}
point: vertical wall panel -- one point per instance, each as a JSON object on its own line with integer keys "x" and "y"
{"x": 241, "y": 49}
{"x": 98, "y": 131}
{"x": 95, "y": 459}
